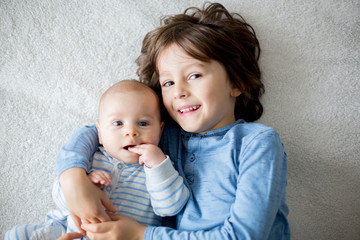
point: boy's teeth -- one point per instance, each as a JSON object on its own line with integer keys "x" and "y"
{"x": 188, "y": 109}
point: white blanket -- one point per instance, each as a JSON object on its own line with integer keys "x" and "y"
{"x": 57, "y": 57}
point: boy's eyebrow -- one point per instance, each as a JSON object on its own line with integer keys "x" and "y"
{"x": 190, "y": 65}
{"x": 197, "y": 64}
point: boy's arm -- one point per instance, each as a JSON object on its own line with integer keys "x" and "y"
{"x": 167, "y": 190}
{"x": 258, "y": 210}
{"x": 84, "y": 200}
{"x": 78, "y": 150}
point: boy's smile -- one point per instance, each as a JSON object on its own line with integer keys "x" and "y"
{"x": 198, "y": 95}
{"x": 188, "y": 109}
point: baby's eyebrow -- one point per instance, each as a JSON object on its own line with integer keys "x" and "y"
{"x": 146, "y": 117}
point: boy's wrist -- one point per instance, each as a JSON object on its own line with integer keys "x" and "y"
{"x": 141, "y": 232}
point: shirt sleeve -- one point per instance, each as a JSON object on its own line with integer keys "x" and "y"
{"x": 78, "y": 150}
{"x": 259, "y": 199}
{"x": 58, "y": 197}
{"x": 167, "y": 190}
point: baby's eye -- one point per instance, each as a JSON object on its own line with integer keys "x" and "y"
{"x": 194, "y": 76}
{"x": 167, "y": 84}
{"x": 117, "y": 123}
{"x": 143, "y": 123}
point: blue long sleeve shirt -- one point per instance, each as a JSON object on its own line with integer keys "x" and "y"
{"x": 236, "y": 176}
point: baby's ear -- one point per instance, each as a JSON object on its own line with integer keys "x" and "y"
{"x": 98, "y": 129}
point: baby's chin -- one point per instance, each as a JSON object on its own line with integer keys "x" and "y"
{"x": 131, "y": 160}
{"x": 126, "y": 156}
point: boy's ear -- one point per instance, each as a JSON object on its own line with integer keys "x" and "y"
{"x": 235, "y": 91}
{"x": 98, "y": 129}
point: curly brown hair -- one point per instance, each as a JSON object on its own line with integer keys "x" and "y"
{"x": 211, "y": 33}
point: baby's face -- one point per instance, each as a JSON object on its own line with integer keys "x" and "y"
{"x": 128, "y": 119}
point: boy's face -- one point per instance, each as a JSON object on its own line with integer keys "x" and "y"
{"x": 198, "y": 95}
{"x": 128, "y": 119}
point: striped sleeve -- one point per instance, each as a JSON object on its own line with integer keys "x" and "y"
{"x": 167, "y": 190}
{"x": 58, "y": 197}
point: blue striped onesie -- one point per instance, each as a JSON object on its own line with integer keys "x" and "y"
{"x": 139, "y": 192}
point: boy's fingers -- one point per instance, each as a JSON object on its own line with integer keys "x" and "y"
{"x": 115, "y": 217}
{"x": 97, "y": 227}
{"x": 90, "y": 227}
{"x": 107, "y": 203}
{"x": 77, "y": 221}
{"x": 70, "y": 236}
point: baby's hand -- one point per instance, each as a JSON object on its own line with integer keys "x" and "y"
{"x": 100, "y": 178}
{"x": 150, "y": 155}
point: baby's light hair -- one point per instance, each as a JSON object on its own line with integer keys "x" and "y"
{"x": 129, "y": 85}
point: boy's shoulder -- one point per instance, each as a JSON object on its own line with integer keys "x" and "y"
{"x": 251, "y": 127}
{"x": 251, "y": 130}
{"x": 240, "y": 126}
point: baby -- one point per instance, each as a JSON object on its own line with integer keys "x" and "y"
{"x": 128, "y": 165}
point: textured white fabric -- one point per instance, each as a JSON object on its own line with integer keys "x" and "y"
{"x": 57, "y": 57}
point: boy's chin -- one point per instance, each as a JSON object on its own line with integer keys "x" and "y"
{"x": 191, "y": 128}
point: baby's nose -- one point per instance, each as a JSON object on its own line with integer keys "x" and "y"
{"x": 131, "y": 132}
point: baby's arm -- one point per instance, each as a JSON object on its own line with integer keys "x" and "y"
{"x": 100, "y": 178}
{"x": 167, "y": 190}
{"x": 150, "y": 155}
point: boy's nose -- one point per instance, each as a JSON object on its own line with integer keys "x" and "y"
{"x": 180, "y": 92}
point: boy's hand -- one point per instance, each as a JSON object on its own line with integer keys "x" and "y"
{"x": 150, "y": 155}
{"x": 70, "y": 236}
{"x": 100, "y": 178}
{"x": 85, "y": 201}
{"x": 121, "y": 227}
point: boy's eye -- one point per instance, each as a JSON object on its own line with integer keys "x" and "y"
{"x": 117, "y": 123}
{"x": 194, "y": 76}
{"x": 143, "y": 124}
{"x": 168, "y": 83}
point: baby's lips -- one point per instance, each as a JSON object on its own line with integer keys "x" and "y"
{"x": 128, "y": 146}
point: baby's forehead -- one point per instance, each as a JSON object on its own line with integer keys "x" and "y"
{"x": 128, "y": 86}
{"x": 130, "y": 92}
